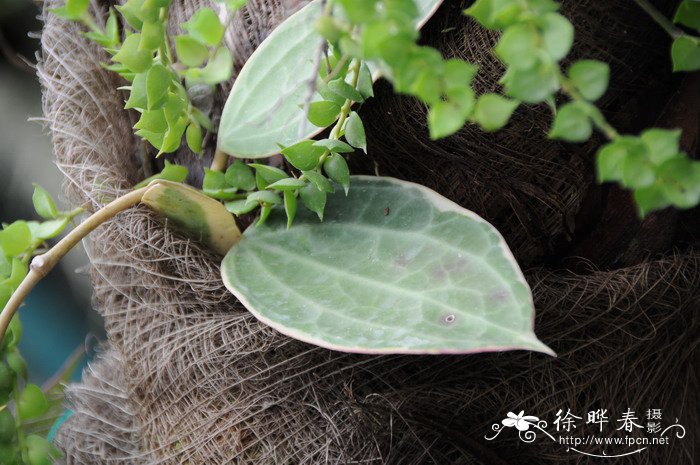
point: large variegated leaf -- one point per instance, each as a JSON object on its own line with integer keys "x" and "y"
{"x": 263, "y": 108}
{"x": 393, "y": 268}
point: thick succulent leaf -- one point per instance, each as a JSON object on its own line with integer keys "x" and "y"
{"x": 263, "y": 108}
{"x": 393, "y": 268}
{"x": 193, "y": 213}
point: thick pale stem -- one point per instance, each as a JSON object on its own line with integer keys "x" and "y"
{"x": 220, "y": 160}
{"x": 42, "y": 264}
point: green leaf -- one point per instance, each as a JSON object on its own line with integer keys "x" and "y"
{"x": 495, "y": 14}
{"x": 650, "y": 198}
{"x": 590, "y": 77}
{"x": 345, "y": 90}
{"x": 8, "y": 430}
{"x": 264, "y": 213}
{"x": 150, "y": 10}
{"x": 681, "y": 181}
{"x": 213, "y": 180}
{"x": 98, "y": 38}
{"x": 189, "y": 51}
{"x": 685, "y": 53}
{"x": 444, "y": 119}
{"x": 268, "y": 174}
{"x": 202, "y": 119}
{"x": 17, "y": 364}
{"x": 175, "y": 109}
{"x": 219, "y": 68}
{"x": 427, "y": 86}
{"x": 288, "y": 184}
{"x": 688, "y": 14}
{"x": 112, "y": 29}
{"x": 637, "y": 171}
{"x": 120, "y": 69}
{"x": 77, "y": 8}
{"x": 571, "y": 124}
{"x": 329, "y": 95}
{"x": 38, "y": 450}
{"x": 173, "y": 136}
{"x": 131, "y": 11}
{"x": 662, "y": 144}
{"x": 319, "y": 180}
{"x": 290, "y": 207}
{"x": 518, "y": 46}
{"x": 5, "y": 266}
{"x": 5, "y": 294}
{"x": 359, "y": 11}
{"x": 558, "y": 35}
{"x": 205, "y": 27}
{"x": 193, "y": 135}
{"x": 355, "y": 132}
{"x": 328, "y": 28}
{"x": 493, "y": 111}
{"x": 152, "y": 34}
{"x": 337, "y": 169}
{"x": 264, "y": 197}
{"x": 235, "y": 5}
{"x": 47, "y": 229}
{"x": 414, "y": 273}
{"x": 611, "y": 157}
{"x": 533, "y": 85}
{"x": 131, "y": 56}
{"x": 262, "y": 109}
{"x": 458, "y": 74}
{"x": 323, "y": 113}
{"x": 365, "y": 82}
{"x": 463, "y": 99}
{"x": 303, "y": 155}
{"x": 7, "y": 381}
{"x": 18, "y": 273}
{"x": 15, "y": 238}
{"x": 170, "y": 172}
{"x": 158, "y": 82}
{"x": 334, "y": 145}
{"x": 10, "y": 456}
{"x": 314, "y": 199}
{"x": 240, "y": 176}
{"x": 62, "y": 12}
{"x": 44, "y": 203}
{"x": 13, "y": 335}
{"x": 137, "y": 96}
{"x": 32, "y": 402}
{"x": 240, "y": 207}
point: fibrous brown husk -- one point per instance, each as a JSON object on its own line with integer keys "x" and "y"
{"x": 189, "y": 376}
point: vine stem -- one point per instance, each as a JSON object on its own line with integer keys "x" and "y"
{"x": 219, "y": 161}
{"x": 344, "y": 111}
{"x": 660, "y": 19}
{"x": 596, "y": 116}
{"x": 42, "y": 264}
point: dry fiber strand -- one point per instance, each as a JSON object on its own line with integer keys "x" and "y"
{"x": 188, "y": 376}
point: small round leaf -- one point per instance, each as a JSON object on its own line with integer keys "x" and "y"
{"x": 44, "y": 203}
{"x": 572, "y": 124}
{"x": 32, "y": 402}
{"x": 590, "y": 77}
{"x": 493, "y": 111}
